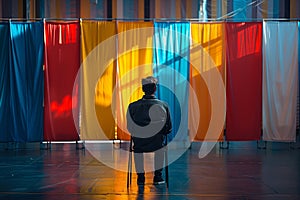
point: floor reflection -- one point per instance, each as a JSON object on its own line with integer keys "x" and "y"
{"x": 64, "y": 172}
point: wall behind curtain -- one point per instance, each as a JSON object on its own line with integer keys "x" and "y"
{"x": 97, "y": 92}
{"x": 171, "y": 67}
{"x": 244, "y": 81}
{"x": 61, "y": 8}
{"x": 134, "y": 63}
{"x": 280, "y": 80}
{"x": 197, "y": 9}
{"x": 208, "y": 46}
{"x": 62, "y": 61}
{"x": 242, "y": 10}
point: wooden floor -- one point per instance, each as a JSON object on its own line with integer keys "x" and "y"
{"x": 66, "y": 173}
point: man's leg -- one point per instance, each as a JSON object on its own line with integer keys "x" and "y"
{"x": 158, "y": 165}
{"x": 139, "y": 166}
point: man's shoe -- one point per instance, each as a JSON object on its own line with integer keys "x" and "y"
{"x": 158, "y": 180}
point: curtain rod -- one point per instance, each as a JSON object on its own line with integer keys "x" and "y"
{"x": 152, "y": 19}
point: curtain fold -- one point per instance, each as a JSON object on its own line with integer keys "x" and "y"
{"x": 207, "y": 51}
{"x": 280, "y": 80}
{"x": 26, "y": 81}
{"x": 62, "y": 61}
{"x": 97, "y": 92}
{"x": 5, "y": 52}
{"x": 134, "y": 63}
{"x": 244, "y": 81}
{"x": 171, "y": 67}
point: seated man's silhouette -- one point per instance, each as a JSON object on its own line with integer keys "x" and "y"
{"x": 148, "y": 121}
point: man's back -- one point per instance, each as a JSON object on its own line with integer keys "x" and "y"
{"x": 148, "y": 121}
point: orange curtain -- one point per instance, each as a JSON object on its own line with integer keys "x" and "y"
{"x": 207, "y": 48}
{"x": 134, "y": 63}
{"x": 98, "y": 53}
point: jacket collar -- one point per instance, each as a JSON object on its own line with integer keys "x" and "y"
{"x": 149, "y": 97}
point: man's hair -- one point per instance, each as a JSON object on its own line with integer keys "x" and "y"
{"x": 149, "y": 85}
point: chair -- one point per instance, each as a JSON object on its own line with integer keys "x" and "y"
{"x": 129, "y": 171}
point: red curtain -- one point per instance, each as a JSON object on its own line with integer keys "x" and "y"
{"x": 62, "y": 62}
{"x": 244, "y": 81}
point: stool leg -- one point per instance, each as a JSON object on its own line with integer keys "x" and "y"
{"x": 129, "y": 170}
{"x": 166, "y": 167}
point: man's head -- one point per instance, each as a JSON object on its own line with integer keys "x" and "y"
{"x": 149, "y": 85}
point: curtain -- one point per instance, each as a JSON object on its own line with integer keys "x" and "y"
{"x": 280, "y": 80}
{"x": 171, "y": 67}
{"x": 134, "y": 63}
{"x": 98, "y": 80}
{"x": 62, "y": 61}
{"x": 5, "y": 52}
{"x": 244, "y": 81}
{"x": 26, "y": 81}
{"x": 207, "y": 81}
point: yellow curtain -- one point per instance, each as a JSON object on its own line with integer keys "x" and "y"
{"x": 207, "y": 48}
{"x": 98, "y": 78}
{"x": 134, "y": 63}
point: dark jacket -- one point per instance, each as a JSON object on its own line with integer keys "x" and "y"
{"x": 148, "y": 121}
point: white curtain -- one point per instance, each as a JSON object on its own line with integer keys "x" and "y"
{"x": 280, "y": 80}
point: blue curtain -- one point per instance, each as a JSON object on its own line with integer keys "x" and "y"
{"x": 4, "y": 82}
{"x": 26, "y": 81}
{"x": 171, "y": 67}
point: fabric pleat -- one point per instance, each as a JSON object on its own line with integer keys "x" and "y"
{"x": 61, "y": 98}
{"x": 5, "y": 54}
{"x": 244, "y": 81}
{"x": 26, "y": 81}
{"x": 207, "y": 51}
{"x": 134, "y": 63}
{"x": 98, "y": 80}
{"x": 171, "y": 67}
{"x": 280, "y": 80}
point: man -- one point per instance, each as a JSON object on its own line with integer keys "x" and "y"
{"x": 148, "y": 121}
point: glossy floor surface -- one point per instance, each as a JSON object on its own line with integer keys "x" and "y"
{"x": 63, "y": 172}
